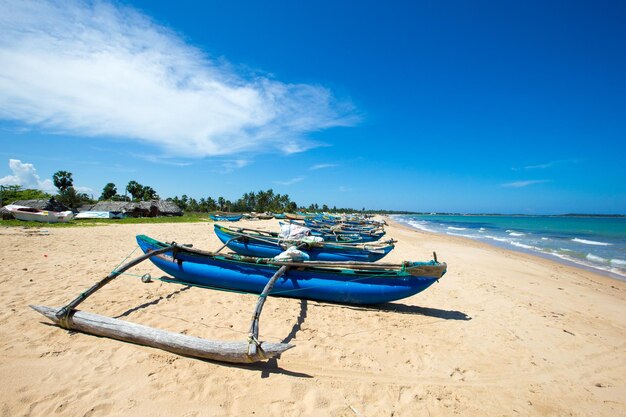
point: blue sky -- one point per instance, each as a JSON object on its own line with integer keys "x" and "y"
{"x": 494, "y": 106}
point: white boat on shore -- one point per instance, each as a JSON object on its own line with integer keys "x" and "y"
{"x": 99, "y": 215}
{"x": 36, "y": 215}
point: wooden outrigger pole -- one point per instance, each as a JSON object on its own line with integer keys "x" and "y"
{"x": 237, "y": 352}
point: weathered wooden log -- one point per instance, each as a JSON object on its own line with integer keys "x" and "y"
{"x": 235, "y": 352}
{"x": 254, "y": 326}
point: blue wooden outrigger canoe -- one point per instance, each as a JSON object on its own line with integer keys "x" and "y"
{"x": 339, "y": 282}
{"x": 358, "y": 236}
{"x": 263, "y": 244}
{"x": 225, "y": 217}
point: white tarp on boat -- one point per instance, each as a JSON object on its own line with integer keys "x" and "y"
{"x": 290, "y": 231}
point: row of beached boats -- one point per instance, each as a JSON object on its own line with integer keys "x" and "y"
{"x": 322, "y": 258}
{"x": 31, "y": 214}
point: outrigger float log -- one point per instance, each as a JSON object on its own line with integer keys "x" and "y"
{"x": 236, "y": 352}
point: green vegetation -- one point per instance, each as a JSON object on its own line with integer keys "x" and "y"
{"x": 11, "y": 193}
{"x": 195, "y": 210}
{"x": 187, "y": 218}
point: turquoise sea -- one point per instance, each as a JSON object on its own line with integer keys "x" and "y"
{"x": 597, "y": 243}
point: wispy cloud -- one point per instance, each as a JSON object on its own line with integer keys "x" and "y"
{"x": 520, "y": 184}
{"x": 105, "y": 70}
{"x": 322, "y": 166}
{"x": 25, "y": 175}
{"x": 541, "y": 166}
{"x": 343, "y": 188}
{"x": 86, "y": 190}
{"x": 290, "y": 182}
{"x": 156, "y": 159}
{"x": 547, "y": 165}
{"x": 230, "y": 165}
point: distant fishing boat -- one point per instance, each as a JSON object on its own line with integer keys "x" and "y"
{"x": 225, "y": 217}
{"x": 292, "y": 216}
{"x": 259, "y": 243}
{"x": 329, "y": 236}
{"x": 362, "y": 235}
{"x": 339, "y": 282}
{"x": 35, "y": 215}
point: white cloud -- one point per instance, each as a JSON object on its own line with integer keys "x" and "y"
{"x": 156, "y": 159}
{"x": 25, "y": 175}
{"x": 290, "y": 182}
{"x": 85, "y": 190}
{"x": 230, "y": 165}
{"x": 105, "y": 70}
{"x": 541, "y": 166}
{"x": 520, "y": 184}
{"x": 322, "y": 166}
{"x": 547, "y": 165}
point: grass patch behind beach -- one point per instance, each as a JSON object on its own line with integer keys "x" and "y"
{"x": 186, "y": 218}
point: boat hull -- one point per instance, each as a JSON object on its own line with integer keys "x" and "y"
{"x": 322, "y": 284}
{"x": 42, "y": 216}
{"x": 218, "y": 218}
{"x": 269, "y": 248}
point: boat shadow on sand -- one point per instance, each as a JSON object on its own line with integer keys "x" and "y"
{"x": 416, "y": 310}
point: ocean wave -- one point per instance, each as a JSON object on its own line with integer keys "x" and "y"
{"x": 456, "y": 228}
{"x": 521, "y": 245}
{"x": 595, "y": 258}
{"x": 590, "y": 242}
{"x": 419, "y": 226}
{"x": 544, "y": 238}
{"x": 516, "y": 234}
{"x": 619, "y": 262}
{"x": 616, "y": 271}
{"x": 481, "y": 230}
{"x": 498, "y": 239}
{"x": 461, "y": 235}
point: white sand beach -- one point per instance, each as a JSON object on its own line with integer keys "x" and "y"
{"x": 501, "y": 334}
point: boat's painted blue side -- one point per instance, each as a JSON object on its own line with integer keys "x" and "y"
{"x": 346, "y": 286}
{"x": 269, "y": 248}
{"x": 217, "y": 217}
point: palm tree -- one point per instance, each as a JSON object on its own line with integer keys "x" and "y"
{"x": 62, "y": 180}
{"x": 108, "y": 191}
{"x": 135, "y": 189}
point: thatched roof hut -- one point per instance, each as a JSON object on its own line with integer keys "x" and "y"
{"x": 168, "y": 208}
{"x": 50, "y": 204}
{"x": 153, "y": 208}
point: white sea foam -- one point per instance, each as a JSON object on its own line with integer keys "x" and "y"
{"x": 615, "y": 271}
{"x": 619, "y": 262}
{"x": 457, "y": 228}
{"x": 420, "y": 226}
{"x": 498, "y": 239}
{"x": 595, "y": 258}
{"x": 461, "y": 235}
{"x": 590, "y": 242}
{"x": 481, "y": 230}
{"x": 521, "y": 245}
{"x": 516, "y": 234}
{"x": 544, "y": 238}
